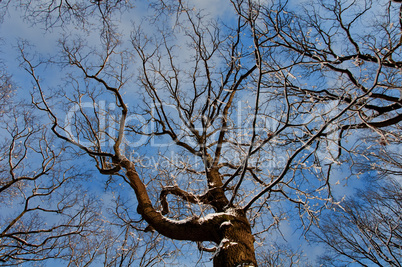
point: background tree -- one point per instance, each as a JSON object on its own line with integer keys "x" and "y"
{"x": 367, "y": 230}
{"x": 30, "y": 187}
{"x": 280, "y": 255}
{"x": 48, "y": 211}
{"x": 252, "y": 111}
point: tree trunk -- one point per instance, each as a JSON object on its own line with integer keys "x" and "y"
{"x": 237, "y": 244}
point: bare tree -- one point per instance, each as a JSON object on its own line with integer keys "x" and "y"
{"x": 367, "y": 230}
{"x": 47, "y": 211}
{"x": 252, "y": 113}
{"x": 58, "y": 13}
{"x": 282, "y": 255}
{"x": 31, "y": 191}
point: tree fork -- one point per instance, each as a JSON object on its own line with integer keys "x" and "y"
{"x": 230, "y": 229}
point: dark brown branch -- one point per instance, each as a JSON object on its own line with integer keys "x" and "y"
{"x": 175, "y": 190}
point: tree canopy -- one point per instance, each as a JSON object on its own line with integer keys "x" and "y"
{"x": 139, "y": 132}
